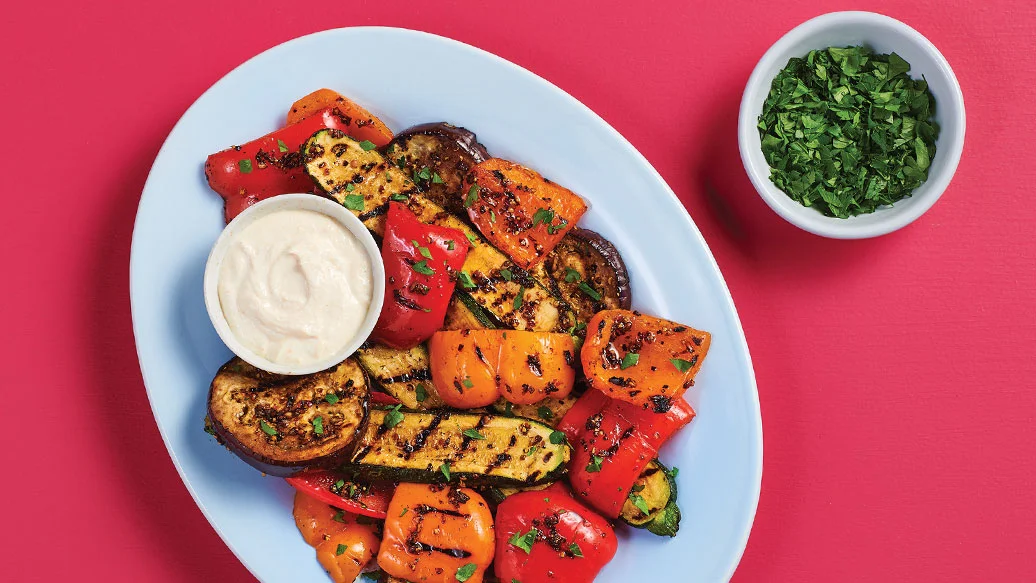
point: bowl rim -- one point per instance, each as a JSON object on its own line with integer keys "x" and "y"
{"x": 951, "y": 138}
{"x": 294, "y": 201}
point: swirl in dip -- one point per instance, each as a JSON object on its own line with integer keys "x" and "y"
{"x": 295, "y": 286}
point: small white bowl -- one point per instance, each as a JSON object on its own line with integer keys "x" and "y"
{"x": 884, "y": 35}
{"x": 293, "y": 202}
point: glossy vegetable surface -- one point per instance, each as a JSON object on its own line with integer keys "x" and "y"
{"x": 343, "y": 545}
{"x": 642, "y": 359}
{"x": 421, "y": 266}
{"x": 437, "y": 534}
{"x": 357, "y": 121}
{"x": 342, "y": 491}
{"x": 549, "y": 537}
{"x": 267, "y": 166}
{"x": 518, "y": 210}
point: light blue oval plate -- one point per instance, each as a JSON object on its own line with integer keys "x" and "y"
{"x": 407, "y": 77}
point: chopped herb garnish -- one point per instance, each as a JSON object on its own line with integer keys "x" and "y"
{"x": 350, "y": 187}
{"x": 542, "y": 216}
{"x": 557, "y": 437}
{"x": 532, "y": 450}
{"x": 465, "y": 280}
{"x": 465, "y": 572}
{"x": 422, "y": 267}
{"x": 506, "y": 274}
{"x": 339, "y": 516}
{"x": 575, "y": 550}
{"x": 340, "y": 550}
{"x": 393, "y": 416}
{"x": 553, "y": 229}
{"x": 405, "y": 509}
{"x": 472, "y": 196}
{"x": 436, "y": 179}
{"x": 639, "y": 502}
{"x": 337, "y": 486}
{"x": 450, "y": 245}
{"x": 631, "y": 359}
{"x": 424, "y": 174}
{"x": 524, "y": 541}
{"x": 267, "y": 429}
{"x": 331, "y": 398}
{"x": 492, "y": 216}
{"x": 846, "y": 130}
{"x": 401, "y": 162}
{"x": 473, "y": 434}
{"x": 281, "y": 146}
{"x": 681, "y": 364}
{"x": 245, "y": 166}
{"x": 318, "y": 425}
{"x": 467, "y": 383}
{"x": 471, "y": 237}
{"x": 674, "y": 472}
{"x": 421, "y": 392}
{"x": 352, "y": 490}
{"x": 445, "y": 469}
{"x": 518, "y": 298}
{"x": 368, "y": 145}
{"x": 571, "y": 275}
{"x": 595, "y": 463}
{"x": 544, "y": 412}
{"x": 399, "y": 197}
{"x": 425, "y": 252}
{"x": 586, "y": 289}
{"x": 353, "y": 202}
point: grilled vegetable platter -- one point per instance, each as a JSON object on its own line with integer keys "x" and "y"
{"x": 505, "y": 417}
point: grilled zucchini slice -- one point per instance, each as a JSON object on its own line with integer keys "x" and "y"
{"x": 285, "y": 424}
{"x": 404, "y": 374}
{"x": 657, "y": 488}
{"x": 548, "y": 411}
{"x": 339, "y": 165}
{"x": 441, "y": 446}
{"x": 464, "y": 313}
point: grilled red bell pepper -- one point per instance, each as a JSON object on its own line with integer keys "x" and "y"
{"x": 340, "y": 491}
{"x": 548, "y": 537}
{"x": 421, "y": 266}
{"x": 612, "y": 443}
{"x": 607, "y": 457}
{"x": 267, "y": 166}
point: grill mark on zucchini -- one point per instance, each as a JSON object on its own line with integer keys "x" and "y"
{"x": 539, "y": 310}
{"x": 422, "y": 436}
{"x": 414, "y": 375}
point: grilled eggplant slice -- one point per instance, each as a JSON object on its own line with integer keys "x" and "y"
{"x": 597, "y": 264}
{"x": 657, "y": 488}
{"x": 442, "y": 446}
{"x": 548, "y": 411}
{"x": 404, "y": 374}
{"x": 285, "y": 424}
{"x": 438, "y": 149}
{"x": 340, "y": 166}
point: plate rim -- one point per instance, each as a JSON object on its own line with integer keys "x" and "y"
{"x": 741, "y": 342}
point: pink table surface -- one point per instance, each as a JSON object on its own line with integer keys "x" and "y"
{"x": 896, "y": 375}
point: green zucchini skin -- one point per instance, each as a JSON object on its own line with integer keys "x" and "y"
{"x": 415, "y": 449}
{"x": 659, "y": 493}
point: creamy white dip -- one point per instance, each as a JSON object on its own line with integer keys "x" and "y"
{"x": 295, "y": 286}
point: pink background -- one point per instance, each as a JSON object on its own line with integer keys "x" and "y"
{"x": 896, "y": 375}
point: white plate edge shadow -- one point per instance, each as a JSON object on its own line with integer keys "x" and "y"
{"x": 740, "y": 341}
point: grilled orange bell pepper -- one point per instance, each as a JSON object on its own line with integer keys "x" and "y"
{"x": 473, "y": 368}
{"x": 641, "y": 359}
{"x": 518, "y": 210}
{"x": 464, "y": 365}
{"x": 437, "y": 534}
{"x": 344, "y": 547}
{"x": 536, "y": 365}
{"x": 360, "y": 123}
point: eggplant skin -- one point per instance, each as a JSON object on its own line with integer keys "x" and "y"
{"x": 599, "y": 265}
{"x": 246, "y": 403}
{"x": 445, "y": 150}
